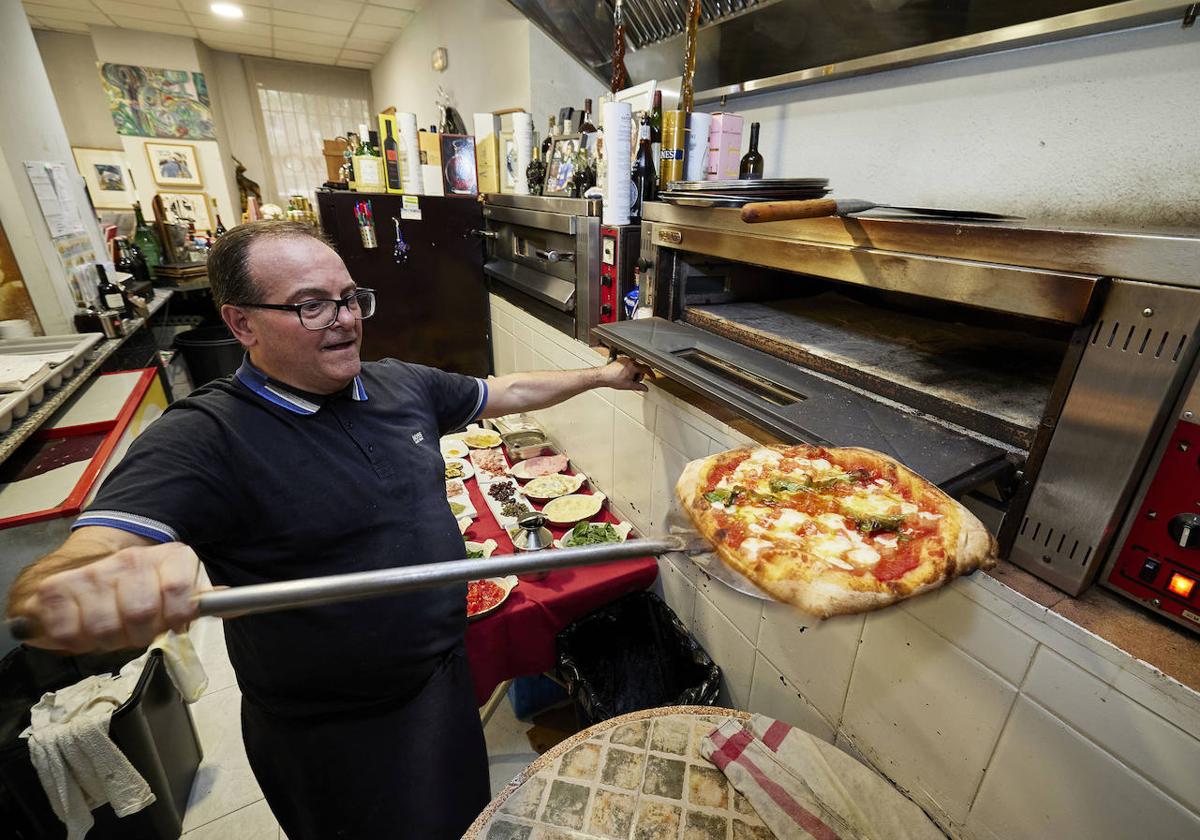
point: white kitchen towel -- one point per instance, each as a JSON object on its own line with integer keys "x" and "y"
{"x": 77, "y": 763}
{"x": 79, "y": 766}
{"x": 803, "y": 787}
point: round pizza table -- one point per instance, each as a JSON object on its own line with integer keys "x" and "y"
{"x": 639, "y": 776}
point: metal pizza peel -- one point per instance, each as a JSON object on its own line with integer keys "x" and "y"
{"x": 700, "y": 552}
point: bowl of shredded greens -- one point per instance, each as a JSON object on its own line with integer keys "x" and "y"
{"x": 594, "y": 533}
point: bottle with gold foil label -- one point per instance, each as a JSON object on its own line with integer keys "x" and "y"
{"x": 673, "y": 145}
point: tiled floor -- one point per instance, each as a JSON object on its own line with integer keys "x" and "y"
{"x": 226, "y": 803}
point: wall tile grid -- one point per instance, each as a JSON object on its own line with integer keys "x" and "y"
{"x": 948, "y": 695}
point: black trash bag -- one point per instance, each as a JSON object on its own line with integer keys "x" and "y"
{"x": 634, "y": 654}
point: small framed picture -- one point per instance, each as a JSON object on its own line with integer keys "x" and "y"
{"x": 174, "y": 164}
{"x": 561, "y": 167}
{"x": 182, "y": 208}
{"x": 508, "y": 162}
{"x": 460, "y": 175}
{"x": 107, "y": 176}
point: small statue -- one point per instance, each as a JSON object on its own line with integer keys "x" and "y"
{"x": 246, "y": 187}
{"x": 450, "y": 122}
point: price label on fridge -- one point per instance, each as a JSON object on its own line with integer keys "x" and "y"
{"x": 411, "y": 208}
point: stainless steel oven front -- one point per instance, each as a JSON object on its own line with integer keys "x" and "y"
{"x": 1027, "y": 370}
{"x": 543, "y": 256}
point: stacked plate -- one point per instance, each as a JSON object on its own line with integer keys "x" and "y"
{"x": 739, "y": 192}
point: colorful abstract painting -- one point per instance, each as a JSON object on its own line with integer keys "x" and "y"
{"x": 153, "y": 102}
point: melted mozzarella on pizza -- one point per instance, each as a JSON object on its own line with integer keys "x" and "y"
{"x": 755, "y": 473}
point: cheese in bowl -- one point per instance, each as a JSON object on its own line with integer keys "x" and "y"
{"x": 481, "y": 439}
{"x": 567, "y": 510}
{"x": 552, "y": 486}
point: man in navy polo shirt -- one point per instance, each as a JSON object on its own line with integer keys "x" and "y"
{"x": 359, "y": 719}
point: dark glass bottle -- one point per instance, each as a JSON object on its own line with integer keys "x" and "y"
{"x": 656, "y": 123}
{"x": 548, "y": 143}
{"x": 535, "y": 173}
{"x": 586, "y": 126}
{"x": 142, "y": 273}
{"x": 147, "y": 241}
{"x": 219, "y": 230}
{"x": 645, "y": 180}
{"x": 391, "y": 158}
{"x": 111, "y": 296}
{"x": 752, "y": 162}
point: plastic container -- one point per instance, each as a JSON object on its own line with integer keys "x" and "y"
{"x": 634, "y": 654}
{"x": 210, "y": 353}
{"x": 153, "y": 728}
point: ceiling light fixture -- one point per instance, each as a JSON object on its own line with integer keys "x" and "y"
{"x": 227, "y": 10}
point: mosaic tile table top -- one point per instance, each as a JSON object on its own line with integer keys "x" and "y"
{"x": 636, "y": 777}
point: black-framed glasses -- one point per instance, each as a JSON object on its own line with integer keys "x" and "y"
{"x": 322, "y": 313}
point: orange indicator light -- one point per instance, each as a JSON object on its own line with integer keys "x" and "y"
{"x": 1181, "y": 586}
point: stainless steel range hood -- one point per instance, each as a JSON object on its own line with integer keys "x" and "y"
{"x": 754, "y": 46}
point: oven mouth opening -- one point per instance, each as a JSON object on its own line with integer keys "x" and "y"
{"x": 761, "y": 387}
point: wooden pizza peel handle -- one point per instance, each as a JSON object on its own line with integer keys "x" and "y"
{"x": 815, "y": 208}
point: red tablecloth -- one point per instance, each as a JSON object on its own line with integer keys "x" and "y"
{"x": 518, "y": 639}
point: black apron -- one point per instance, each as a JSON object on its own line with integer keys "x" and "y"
{"x": 417, "y": 769}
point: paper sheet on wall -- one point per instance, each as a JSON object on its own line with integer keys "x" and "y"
{"x": 52, "y": 189}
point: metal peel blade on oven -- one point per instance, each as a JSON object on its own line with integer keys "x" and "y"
{"x": 331, "y": 589}
{"x": 700, "y": 552}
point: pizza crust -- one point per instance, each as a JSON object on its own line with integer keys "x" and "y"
{"x": 823, "y": 590}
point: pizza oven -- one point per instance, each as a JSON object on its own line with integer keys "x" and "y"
{"x": 1025, "y": 370}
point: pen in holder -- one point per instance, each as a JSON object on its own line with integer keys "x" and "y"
{"x": 366, "y": 224}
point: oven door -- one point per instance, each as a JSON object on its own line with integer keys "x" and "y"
{"x": 844, "y": 387}
{"x": 542, "y": 261}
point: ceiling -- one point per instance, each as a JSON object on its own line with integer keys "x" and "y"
{"x": 346, "y": 33}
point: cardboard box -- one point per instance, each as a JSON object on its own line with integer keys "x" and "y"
{"x": 724, "y": 146}
{"x": 335, "y": 156}
{"x": 487, "y": 152}
{"x": 389, "y": 147}
{"x": 430, "y": 144}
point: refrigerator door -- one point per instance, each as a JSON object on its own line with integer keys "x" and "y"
{"x": 432, "y": 304}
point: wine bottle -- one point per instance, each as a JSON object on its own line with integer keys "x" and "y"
{"x": 145, "y": 238}
{"x": 391, "y": 158}
{"x": 645, "y": 180}
{"x": 548, "y": 143}
{"x": 752, "y": 161}
{"x": 123, "y": 260}
{"x": 219, "y": 230}
{"x": 111, "y": 296}
{"x": 373, "y": 142}
{"x": 656, "y": 121}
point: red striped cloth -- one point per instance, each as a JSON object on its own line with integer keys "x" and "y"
{"x": 806, "y": 789}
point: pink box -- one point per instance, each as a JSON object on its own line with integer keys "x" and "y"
{"x": 724, "y": 147}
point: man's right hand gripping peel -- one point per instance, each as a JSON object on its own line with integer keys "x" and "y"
{"x": 123, "y": 600}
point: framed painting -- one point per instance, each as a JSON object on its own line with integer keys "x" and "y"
{"x": 106, "y": 173}
{"x": 174, "y": 164}
{"x": 157, "y": 102}
{"x": 182, "y": 208}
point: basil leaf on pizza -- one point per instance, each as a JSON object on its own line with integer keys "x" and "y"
{"x": 831, "y": 530}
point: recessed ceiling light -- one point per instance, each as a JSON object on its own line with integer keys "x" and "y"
{"x": 227, "y": 10}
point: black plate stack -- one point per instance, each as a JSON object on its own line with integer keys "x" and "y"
{"x": 738, "y": 192}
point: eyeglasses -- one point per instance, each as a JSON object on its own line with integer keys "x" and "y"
{"x": 323, "y": 313}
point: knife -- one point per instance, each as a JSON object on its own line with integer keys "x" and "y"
{"x": 779, "y": 211}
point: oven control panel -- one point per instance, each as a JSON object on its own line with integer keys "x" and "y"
{"x": 1159, "y": 562}
{"x": 618, "y": 261}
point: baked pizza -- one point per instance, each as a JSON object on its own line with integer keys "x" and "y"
{"x": 831, "y": 531}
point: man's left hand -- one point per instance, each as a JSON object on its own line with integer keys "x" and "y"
{"x": 624, "y": 375}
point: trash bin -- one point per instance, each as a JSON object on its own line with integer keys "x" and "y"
{"x": 634, "y": 654}
{"x": 210, "y": 353}
{"x": 153, "y": 728}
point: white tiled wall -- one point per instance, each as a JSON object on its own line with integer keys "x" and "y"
{"x": 1001, "y": 719}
